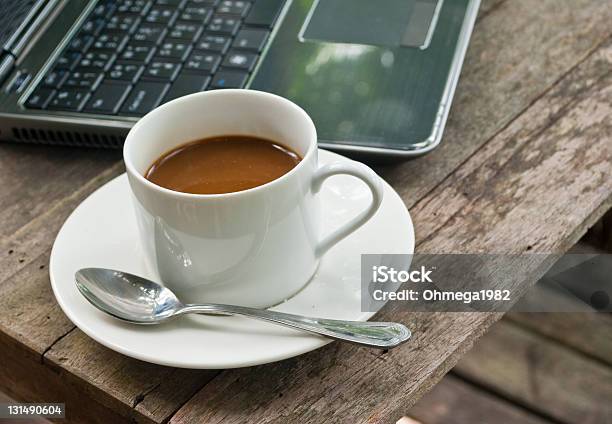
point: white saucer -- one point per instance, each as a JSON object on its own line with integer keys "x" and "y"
{"x": 102, "y": 232}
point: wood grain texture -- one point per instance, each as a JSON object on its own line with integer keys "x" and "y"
{"x": 502, "y": 79}
{"x": 35, "y": 177}
{"x": 589, "y": 333}
{"x": 581, "y": 328}
{"x": 509, "y": 197}
{"x": 338, "y": 383}
{"x": 454, "y": 401}
{"x": 35, "y": 238}
{"x": 541, "y": 374}
{"x": 29, "y": 380}
{"x": 30, "y": 314}
{"x": 133, "y": 388}
{"x": 4, "y": 398}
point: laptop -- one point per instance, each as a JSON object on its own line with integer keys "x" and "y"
{"x": 377, "y": 76}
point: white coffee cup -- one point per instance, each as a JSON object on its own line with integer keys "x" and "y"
{"x": 256, "y": 247}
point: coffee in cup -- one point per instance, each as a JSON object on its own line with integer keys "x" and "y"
{"x": 222, "y": 164}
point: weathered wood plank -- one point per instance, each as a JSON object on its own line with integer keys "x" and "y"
{"x": 36, "y": 237}
{"x": 6, "y": 399}
{"x": 453, "y": 401}
{"x": 541, "y": 374}
{"x": 29, "y": 380}
{"x": 32, "y": 320}
{"x": 338, "y": 383}
{"x": 587, "y": 332}
{"x": 35, "y": 177}
{"x": 26, "y": 299}
{"x": 127, "y": 386}
{"x": 509, "y": 197}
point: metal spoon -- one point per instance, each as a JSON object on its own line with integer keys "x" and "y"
{"x": 140, "y": 301}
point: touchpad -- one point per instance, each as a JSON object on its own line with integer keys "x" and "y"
{"x": 390, "y": 23}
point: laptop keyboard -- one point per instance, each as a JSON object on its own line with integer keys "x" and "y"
{"x": 129, "y": 56}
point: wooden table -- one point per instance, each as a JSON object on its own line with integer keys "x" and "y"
{"x": 525, "y": 165}
{"x": 534, "y": 368}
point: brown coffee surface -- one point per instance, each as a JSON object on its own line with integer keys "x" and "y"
{"x": 222, "y": 165}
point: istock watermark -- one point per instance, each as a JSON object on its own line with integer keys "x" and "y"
{"x": 384, "y": 274}
{"x": 487, "y": 282}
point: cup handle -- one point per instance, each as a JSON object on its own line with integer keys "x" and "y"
{"x": 366, "y": 175}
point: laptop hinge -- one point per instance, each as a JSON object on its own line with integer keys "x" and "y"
{"x": 30, "y": 27}
{"x": 16, "y": 45}
{"x": 6, "y": 65}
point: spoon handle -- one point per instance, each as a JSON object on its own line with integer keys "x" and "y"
{"x": 381, "y": 335}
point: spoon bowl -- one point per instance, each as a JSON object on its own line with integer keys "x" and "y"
{"x": 126, "y": 296}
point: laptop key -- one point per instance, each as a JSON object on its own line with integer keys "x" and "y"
{"x": 187, "y": 84}
{"x": 200, "y": 14}
{"x": 125, "y": 24}
{"x": 241, "y": 60}
{"x": 108, "y": 98}
{"x": 161, "y": 15}
{"x": 103, "y": 10}
{"x": 211, "y": 3}
{"x": 138, "y": 52}
{"x": 264, "y": 13}
{"x": 136, "y": 7}
{"x": 163, "y": 70}
{"x": 97, "y": 60}
{"x": 187, "y": 31}
{"x": 68, "y": 60}
{"x": 81, "y": 43}
{"x": 234, "y": 7}
{"x": 149, "y": 33}
{"x": 215, "y": 43}
{"x": 83, "y": 79}
{"x": 110, "y": 41}
{"x": 252, "y": 39}
{"x": 69, "y": 99}
{"x": 173, "y": 3}
{"x": 224, "y": 24}
{"x": 203, "y": 62}
{"x": 145, "y": 96}
{"x": 92, "y": 26}
{"x": 55, "y": 78}
{"x": 229, "y": 79}
{"x": 40, "y": 98}
{"x": 174, "y": 49}
{"x": 122, "y": 71}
